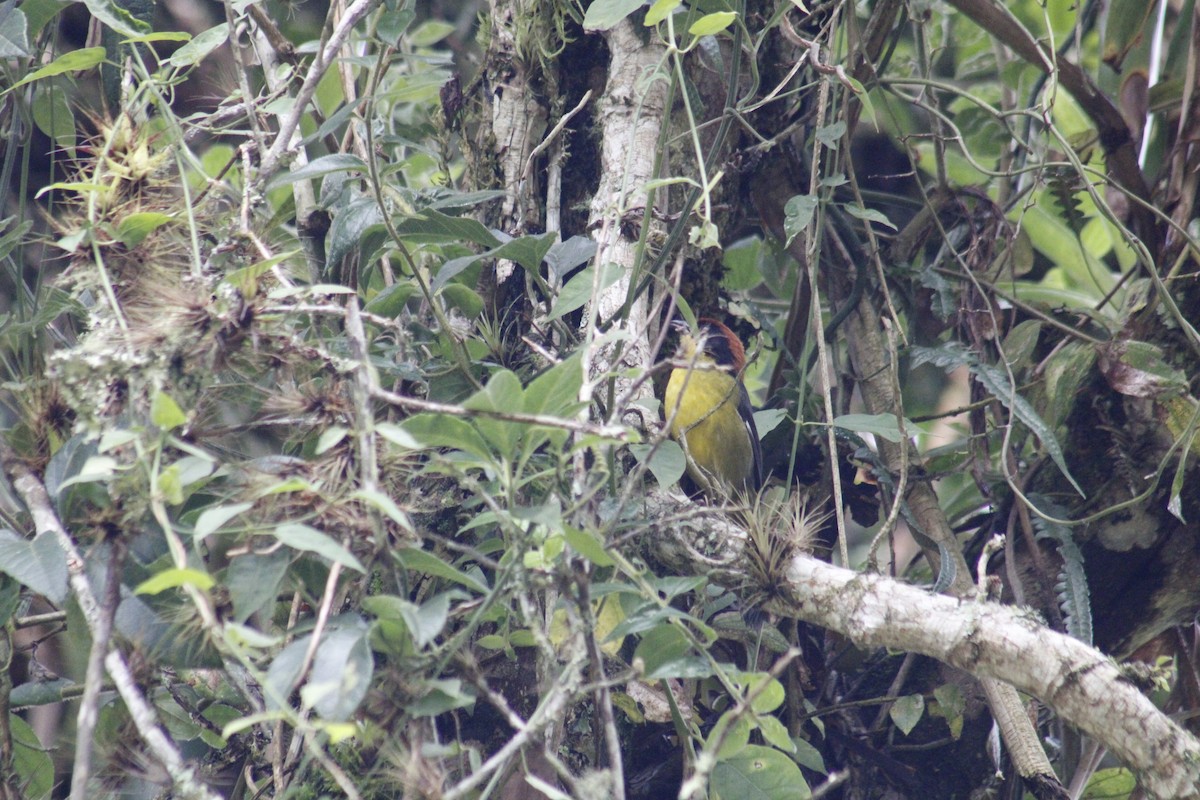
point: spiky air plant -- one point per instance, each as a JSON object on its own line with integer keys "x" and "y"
{"x": 155, "y": 319}
{"x": 778, "y": 527}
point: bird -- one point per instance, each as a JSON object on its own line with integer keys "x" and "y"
{"x": 709, "y": 414}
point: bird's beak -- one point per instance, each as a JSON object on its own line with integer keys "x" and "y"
{"x": 680, "y": 326}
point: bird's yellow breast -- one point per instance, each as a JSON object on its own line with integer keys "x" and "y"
{"x": 705, "y": 409}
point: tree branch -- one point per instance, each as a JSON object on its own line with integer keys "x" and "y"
{"x": 1085, "y": 687}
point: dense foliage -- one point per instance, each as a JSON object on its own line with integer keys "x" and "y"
{"x": 332, "y": 339}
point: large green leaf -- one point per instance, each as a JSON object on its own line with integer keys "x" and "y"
{"x": 759, "y": 773}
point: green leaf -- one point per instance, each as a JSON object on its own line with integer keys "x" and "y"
{"x": 341, "y": 673}
{"x": 1139, "y": 369}
{"x": 831, "y": 135}
{"x": 808, "y": 756}
{"x": 85, "y": 58}
{"x": 211, "y": 519}
{"x": 502, "y": 393}
{"x": 884, "y": 425}
{"x": 33, "y": 768}
{"x": 578, "y": 290}
{"x": 337, "y": 162}
{"x": 391, "y": 301}
{"x": 528, "y": 251}
{"x": 602, "y": 15}
{"x": 165, "y": 413}
{"x": 907, "y": 712}
{"x": 442, "y": 430}
{"x": 869, "y": 215}
{"x": 661, "y": 10}
{"x": 588, "y": 545}
{"x": 436, "y": 227}
{"x": 430, "y": 32}
{"x": 667, "y": 464}
{"x": 950, "y": 706}
{"x": 427, "y": 620}
{"x": 733, "y": 732}
{"x": 667, "y": 653}
{"x": 40, "y": 564}
{"x": 117, "y": 17}
{"x": 776, "y": 734}
{"x": 385, "y": 504}
{"x": 254, "y": 579}
{"x": 759, "y": 773}
{"x": 330, "y": 438}
{"x": 350, "y": 226}
{"x": 713, "y": 23}
{"x": 566, "y": 256}
{"x": 53, "y": 114}
{"x": 1115, "y": 783}
{"x": 996, "y": 381}
{"x": 556, "y": 391}
{"x": 158, "y": 36}
{"x": 769, "y": 698}
{"x": 769, "y": 419}
{"x": 441, "y": 696}
{"x": 463, "y": 298}
{"x": 798, "y": 213}
{"x": 134, "y": 228}
{"x": 428, "y": 563}
{"x": 174, "y": 578}
{"x": 14, "y": 32}
{"x": 299, "y": 536}
{"x": 204, "y": 43}
{"x": 397, "y": 435}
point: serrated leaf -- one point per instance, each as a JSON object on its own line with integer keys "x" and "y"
{"x": 996, "y": 382}
{"x": 1074, "y": 595}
